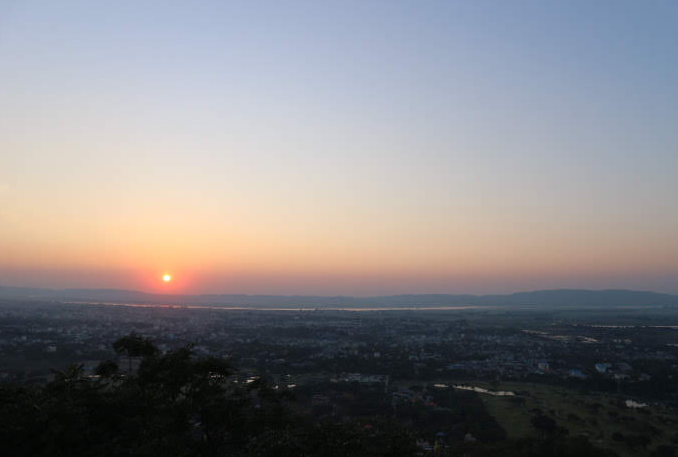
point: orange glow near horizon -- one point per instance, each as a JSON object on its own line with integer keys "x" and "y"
{"x": 171, "y": 171}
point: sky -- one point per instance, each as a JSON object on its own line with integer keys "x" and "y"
{"x": 339, "y": 147}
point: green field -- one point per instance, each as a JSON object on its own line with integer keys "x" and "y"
{"x": 595, "y": 416}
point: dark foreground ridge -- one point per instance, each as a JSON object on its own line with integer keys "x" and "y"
{"x": 541, "y": 298}
{"x": 177, "y": 404}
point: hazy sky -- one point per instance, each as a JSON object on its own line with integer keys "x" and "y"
{"x": 339, "y": 147}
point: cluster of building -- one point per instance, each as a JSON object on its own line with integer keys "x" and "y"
{"x": 362, "y": 345}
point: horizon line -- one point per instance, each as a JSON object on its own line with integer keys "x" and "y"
{"x": 105, "y": 289}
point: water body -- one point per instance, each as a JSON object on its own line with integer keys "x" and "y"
{"x": 480, "y": 390}
{"x": 265, "y": 308}
{"x": 674, "y": 327}
{"x": 635, "y": 404}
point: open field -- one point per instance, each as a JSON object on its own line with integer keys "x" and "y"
{"x": 595, "y": 416}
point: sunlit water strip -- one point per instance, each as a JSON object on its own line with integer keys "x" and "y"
{"x": 289, "y": 308}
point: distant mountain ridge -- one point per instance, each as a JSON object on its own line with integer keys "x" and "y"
{"x": 558, "y": 297}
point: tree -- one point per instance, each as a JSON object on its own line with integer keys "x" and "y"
{"x": 664, "y": 451}
{"x": 134, "y": 345}
{"x": 544, "y": 424}
{"x": 70, "y": 374}
{"x": 106, "y": 369}
{"x": 635, "y": 441}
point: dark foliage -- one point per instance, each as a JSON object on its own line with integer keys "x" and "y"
{"x": 176, "y": 405}
{"x": 180, "y": 405}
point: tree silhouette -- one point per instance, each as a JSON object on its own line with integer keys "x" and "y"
{"x": 134, "y": 345}
{"x": 178, "y": 404}
{"x": 106, "y": 369}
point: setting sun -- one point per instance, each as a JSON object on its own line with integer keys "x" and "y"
{"x": 167, "y": 278}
